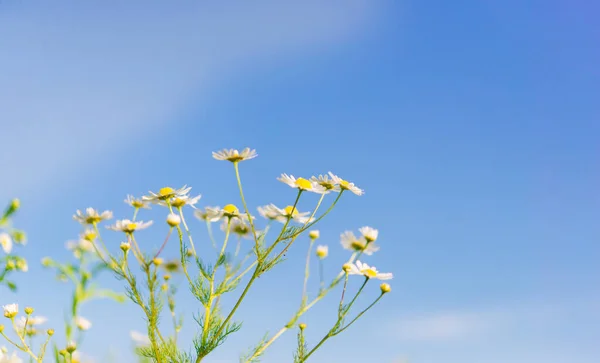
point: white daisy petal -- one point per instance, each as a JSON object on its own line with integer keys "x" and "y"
{"x": 234, "y": 155}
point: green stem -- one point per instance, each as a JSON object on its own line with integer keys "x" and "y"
{"x": 187, "y": 231}
{"x": 239, "y": 181}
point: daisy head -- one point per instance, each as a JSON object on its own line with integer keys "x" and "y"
{"x": 234, "y": 155}
{"x": 179, "y": 202}
{"x": 322, "y": 251}
{"x": 302, "y": 184}
{"x": 369, "y": 272}
{"x": 6, "y": 242}
{"x": 10, "y": 310}
{"x": 326, "y": 182}
{"x": 137, "y": 203}
{"x": 239, "y": 227}
{"x": 82, "y": 323}
{"x": 370, "y": 234}
{"x": 91, "y": 216}
{"x": 282, "y": 215}
{"x": 228, "y": 211}
{"x": 166, "y": 194}
{"x": 346, "y": 185}
{"x": 127, "y": 226}
{"x": 357, "y": 244}
{"x": 80, "y": 247}
{"x": 208, "y": 214}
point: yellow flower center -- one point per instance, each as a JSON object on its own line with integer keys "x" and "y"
{"x": 137, "y": 203}
{"x": 290, "y": 210}
{"x": 302, "y": 183}
{"x": 178, "y": 202}
{"x": 235, "y": 156}
{"x": 357, "y": 245}
{"x": 326, "y": 185}
{"x": 344, "y": 184}
{"x": 89, "y": 236}
{"x": 166, "y": 191}
{"x": 131, "y": 227}
{"x": 369, "y": 272}
{"x": 231, "y": 209}
{"x": 93, "y": 219}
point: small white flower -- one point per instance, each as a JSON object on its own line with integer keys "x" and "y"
{"x": 22, "y": 264}
{"x": 140, "y": 339}
{"x": 10, "y": 310}
{"x": 178, "y": 202}
{"x": 302, "y": 184}
{"x": 82, "y": 245}
{"x": 91, "y": 216}
{"x": 369, "y": 233}
{"x": 173, "y": 220}
{"x": 229, "y": 211}
{"x": 350, "y": 242}
{"x": 369, "y": 271}
{"x": 346, "y": 185}
{"x": 6, "y": 242}
{"x": 136, "y": 203}
{"x": 322, "y": 251}
{"x": 32, "y": 321}
{"x": 127, "y": 226}
{"x": 5, "y": 358}
{"x": 239, "y": 227}
{"x": 125, "y": 246}
{"x": 82, "y": 323}
{"x": 167, "y": 193}
{"x": 326, "y": 182}
{"x": 235, "y": 156}
{"x": 207, "y": 214}
{"x": 314, "y": 234}
{"x": 282, "y": 215}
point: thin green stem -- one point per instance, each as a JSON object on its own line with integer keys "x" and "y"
{"x": 239, "y": 181}
{"x": 307, "y": 271}
{"x": 187, "y": 230}
{"x": 360, "y": 314}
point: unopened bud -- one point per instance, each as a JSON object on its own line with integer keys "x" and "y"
{"x": 50, "y": 332}
{"x": 385, "y": 288}
{"x": 125, "y": 246}
{"x": 157, "y": 261}
{"x": 28, "y": 310}
{"x": 347, "y": 267}
{"x": 71, "y": 347}
{"x": 173, "y": 220}
{"x": 314, "y": 234}
{"x": 302, "y": 326}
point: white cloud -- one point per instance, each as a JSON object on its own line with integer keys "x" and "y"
{"x": 81, "y": 79}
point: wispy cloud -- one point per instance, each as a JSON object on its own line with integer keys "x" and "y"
{"x": 80, "y": 80}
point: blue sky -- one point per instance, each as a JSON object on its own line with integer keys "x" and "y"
{"x": 472, "y": 126}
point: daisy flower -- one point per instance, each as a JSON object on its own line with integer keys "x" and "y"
{"x": 82, "y": 323}
{"x": 31, "y": 321}
{"x": 346, "y": 185}
{"x": 370, "y": 234}
{"x": 208, "y": 214}
{"x": 302, "y": 184}
{"x": 228, "y": 211}
{"x": 136, "y": 203}
{"x": 239, "y": 227}
{"x": 166, "y": 193}
{"x": 282, "y": 215}
{"x": 178, "y": 202}
{"x": 5, "y": 358}
{"x": 10, "y": 310}
{"x": 127, "y": 226}
{"x": 350, "y": 242}
{"x": 234, "y": 156}
{"x": 322, "y": 251}
{"x": 79, "y": 246}
{"x": 6, "y": 242}
{"x": 91, "y": 216}
{"x": 369, "y": 272}
{"x": 326, "y": 182}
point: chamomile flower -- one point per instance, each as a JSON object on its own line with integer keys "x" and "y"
{"x": 82, "y": 323}
{"x": 370, "y": 234}
{"x": 239, "y": 227}
{"x": 350, "y": 242}
{"x": 181, "y": 201}
{"x": 326, "y": 182}
{"x": 80, "y": 246}
{"x": 302, "y": 184}
{"x": 10, "y": 310}
{"x": 137, "y": 203}
{"x": 6, "y": 358}
{"x": 208, "y": 214}
{"x": 21, "y": 264}
{"x": 369, "y": 272}
{"x": 322, "y": 251}
{"x": 6, "y": 242}
{"x": 167, "y": 193}
{"x": 346, "y": 185}
{"x": 229, "y": 211}
{"x": 235, "y": 156}
{"x": 32, "y": 321}
{"x": 127, "y": 226}
{"x": 91, "y": 216}
{"x": 282, "y": 215}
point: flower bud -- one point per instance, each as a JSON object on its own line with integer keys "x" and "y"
{"x": 314, "y": 234}
{"x": 173, "y": 220}
{"x": 46, "y": 261}
{"x": 167, "y": 277}
{"x": 1, "y": 328}
{"x": 322, "y": 251}
{"x": 28, "y": 310}
{"x": 50, "y": 332}
{"x": 157, "y": 261}
{"x": 125, "y": 246}
{"x": 302, "y": 326}
{"x": 385, "y": 288}
{"x": 347, "y": 267}
{"x": 71, "y": 347}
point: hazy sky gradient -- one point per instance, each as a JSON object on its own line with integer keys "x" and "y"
{"x": 473, "y": 128}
